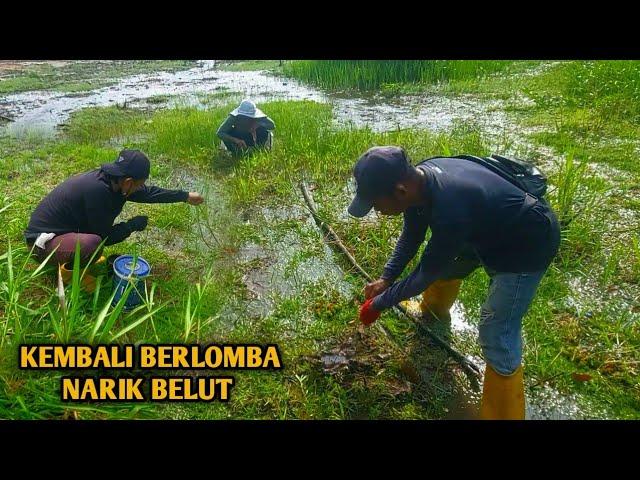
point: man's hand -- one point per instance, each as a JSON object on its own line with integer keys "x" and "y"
{"x": 368, "y": 314}
{"x": 375, "y": 288}
{"x": 195, "y": 198}
{"x": 139, "y": 223}
{"x": 240, "y": 143}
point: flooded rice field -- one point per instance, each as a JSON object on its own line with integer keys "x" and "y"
{"x": 286, "y": 261}
{"x": 42, "y": 111}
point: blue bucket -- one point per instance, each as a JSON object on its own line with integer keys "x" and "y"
{"x": 126, "y": 271}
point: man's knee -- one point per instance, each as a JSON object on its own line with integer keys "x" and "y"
{"x": 501, "y": 343}
{"x": 66, "y": 244}
{"x": 89, "y": 243}
{"x": 501, "y": 317}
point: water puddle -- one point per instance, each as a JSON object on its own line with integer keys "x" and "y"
{"x": 44, "y": 110}
{"x": 336, "y": 360}
{"x": 546, "y": 403}
{"x": 543, "y": 403}
{"x": 279, "y": 267}
{"x": 587, "y": 299}
{"x": 430, "y": 112}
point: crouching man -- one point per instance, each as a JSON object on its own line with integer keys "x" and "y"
{"x": 247, "y": 128}
{"x": 83, "y": 208}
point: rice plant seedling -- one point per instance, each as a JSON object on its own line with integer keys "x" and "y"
{"x": 374, "y": 74}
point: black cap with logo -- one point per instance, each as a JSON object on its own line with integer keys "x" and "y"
{"x": 376, "y": 174}
{"x": 130, "y": 163}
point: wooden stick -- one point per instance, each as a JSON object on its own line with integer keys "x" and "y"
{"x": 466, "y": 364}
{"x": 331, "y": 233}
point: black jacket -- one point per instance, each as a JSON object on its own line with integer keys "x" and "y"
{"x": 469, "y": 205}
{"x": 85, "y": 203}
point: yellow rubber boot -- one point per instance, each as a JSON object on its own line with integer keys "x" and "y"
{"x": 99, "y": 266}
{"x": 87, "y": 282}
{"x": 438, "y": 299}
{"x": 502, "y": 396}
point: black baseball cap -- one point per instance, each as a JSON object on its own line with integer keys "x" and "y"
{"x": 130, "y": 163}
{"x": 376, "y": 174}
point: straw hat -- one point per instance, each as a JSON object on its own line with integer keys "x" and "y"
{"x": 248, "y": 109}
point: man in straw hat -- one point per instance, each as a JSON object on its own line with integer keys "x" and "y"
{"x": 476, "y": 217}
{"x": 246, "y": 128}
{"x": 82, "y": 210}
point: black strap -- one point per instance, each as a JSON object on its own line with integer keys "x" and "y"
{"x": 490, "y": 164}
{"x": 529, "y": 199}
{"x": 527, "y": 204}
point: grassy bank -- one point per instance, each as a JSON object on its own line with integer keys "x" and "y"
{"x": 77, "y": 76}
{"x": 265, "y": 275}
{"x": 371, "y": 75}
{"x": 250, "y": 266}
{"x": 249, "y": 65}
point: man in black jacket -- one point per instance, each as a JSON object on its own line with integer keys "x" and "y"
{"x": 477, "y": 218}
{"x": 246, "y": 128}
{"x": 83, "y": 208}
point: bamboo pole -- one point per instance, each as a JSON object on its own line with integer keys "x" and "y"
{"x": 464, "y": 362}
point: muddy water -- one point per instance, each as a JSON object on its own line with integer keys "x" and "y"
{"x": 542, "y": 403}
{"x": 546, "y": 403}
{"x": 432, "y": 112}
{"x": 274, "y": 270}
{"x": 586, "y": 298}
{"x": 44, "y": 110}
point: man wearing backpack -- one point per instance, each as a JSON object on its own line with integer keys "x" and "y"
{"x": 477, "y": 217}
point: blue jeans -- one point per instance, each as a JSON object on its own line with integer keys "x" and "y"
{"x": 510, "y": 295}
{"x": 500, "y": 329}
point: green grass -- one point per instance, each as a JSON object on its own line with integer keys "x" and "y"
{"x": 375, "y": 74}
{"x": 79, "y": 76}
{"x": 180, "y": 142}
{"x": 250, "y": 65}
{"x": 206, "y": 291}
{"x": 611, "y": 88}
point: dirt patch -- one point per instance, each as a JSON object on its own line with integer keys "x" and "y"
{"x": 7, "y": 66}
{"x": 13, "y": 66}
{"x": 355, "y": 356}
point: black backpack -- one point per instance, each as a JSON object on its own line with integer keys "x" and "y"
{"x": 522, "y": 174}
